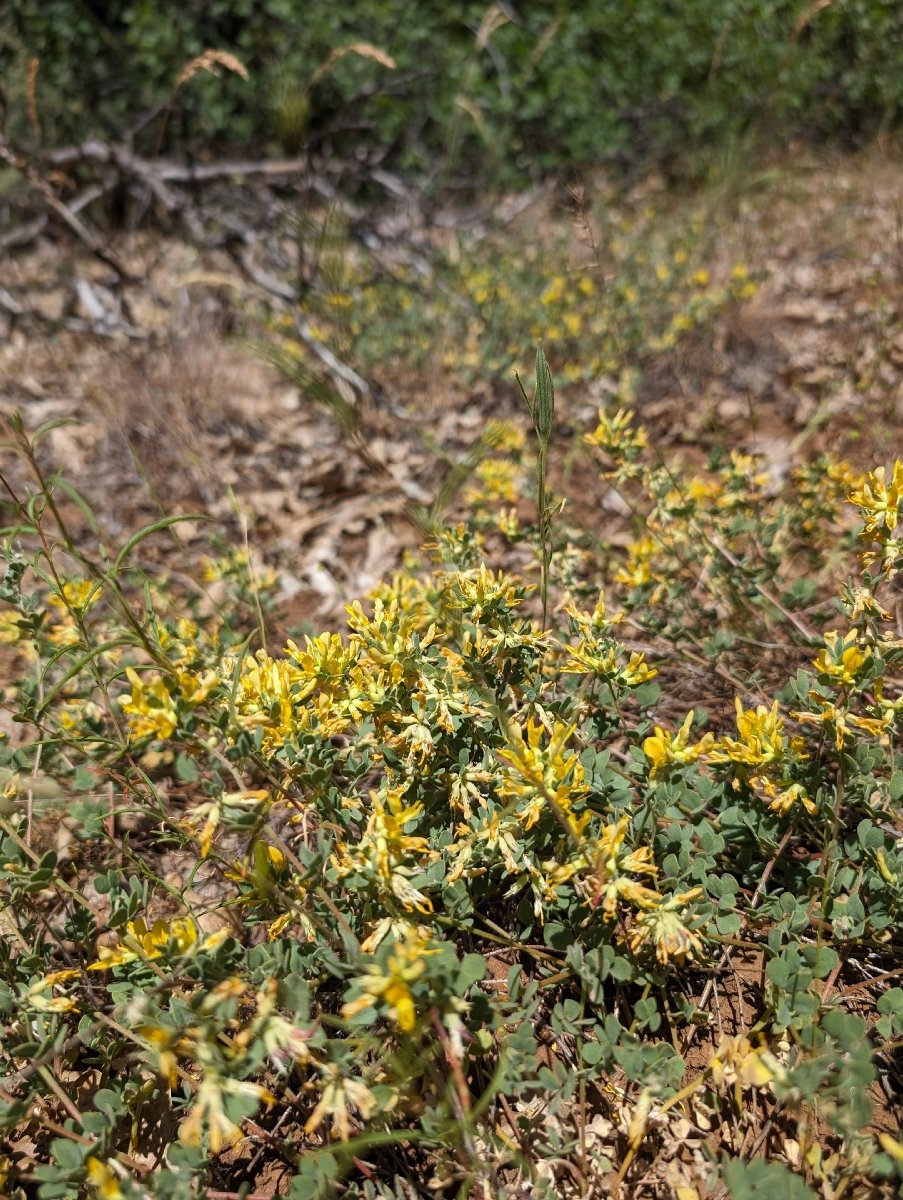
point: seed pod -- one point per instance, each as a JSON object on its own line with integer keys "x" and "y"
{"x": 544, "y": 397}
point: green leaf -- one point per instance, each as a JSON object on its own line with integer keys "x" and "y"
{"x": 870, "y": 837}
{"x": 146, "y": 532}
{"x": 556, "y": 936}
{"x": 891, "y": 1002}
{"x": 67, "y": 1154}
{"x": 765, "y": 1180}
{"x": 84, "y": 780}
{"x": 471, "y": 970}
{"x": 592, "y": 1053}
{"x": 109, "y": 1102}
{"x": 186, "y": 768}
{"x": 821, "y": 959}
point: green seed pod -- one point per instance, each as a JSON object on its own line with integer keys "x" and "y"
{"x": 544, "y": 397}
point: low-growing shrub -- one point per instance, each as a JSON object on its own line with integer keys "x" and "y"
{"x": 462, "y": 895}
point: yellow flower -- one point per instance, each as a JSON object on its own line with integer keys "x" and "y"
{"x": 637, "y": 571}
{"x": 785, "y": 800}
{"x": 879, "y": 501}
{"x": 572, "y": 323}
{"x": 761, "y": 737}
{"x": 150, "y": 706}
{"x": 612, "y": 868}
{"x": 508, "y": 524}
{"x": 497, "y": 482}
{"x": 601, "y": 657}
{"x": 841, "y": 659}
{"x": 165, "y": 1046}
{"x": 665, "y": 928}
{"x": 405, "y": 964}
{"x": 284, "y": 1042}
{"x": 103, "y": 1178}
{"x": 51, "y": 1004}
{"x": 77, "y": 595}
{"x": 12, "y": 634}
{"x": 337, "y": 1097}
{"x": 664, "y": 749}
{"x": 505, "y": 436}
{"x": 212, "y": 812}
{"x": 208, "y": 1114}
{"x": 325, "y": 659}
{"x": 830, "y": 715}
{"x": 736, "y": 1062}
{"x": 554, "y": 292}
{"x": 172, "y": 938}
{"x": 616, "y": 435}
{"x": 387, "y": 850}
{"x": 637, "y": 670}
{"x": 544, "y": 775}
{"x": 269, "y": 694}
{"x": 860, "y": 602}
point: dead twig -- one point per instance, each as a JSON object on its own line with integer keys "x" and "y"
{"x": 53, "y": 202}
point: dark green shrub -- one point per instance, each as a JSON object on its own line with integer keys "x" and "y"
{"x": 564, "y": 85}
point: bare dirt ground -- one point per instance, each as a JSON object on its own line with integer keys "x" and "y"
{"x": 188, "y": 418}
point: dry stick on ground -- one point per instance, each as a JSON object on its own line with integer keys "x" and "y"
{"x": 108, "y": 153}
{"x": 161, "y": 178}
{"x": 84, "y": 234}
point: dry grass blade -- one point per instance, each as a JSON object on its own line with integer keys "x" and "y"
{"x": 31, "y": 97}
{"x": 813, "y": 10}
{"x": 362, "y": 49}
{"x": 211, "y": 61}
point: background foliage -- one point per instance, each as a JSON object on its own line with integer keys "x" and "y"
{"x": 510, "y": 91}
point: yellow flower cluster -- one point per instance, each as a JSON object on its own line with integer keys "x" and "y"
{"x": 155, "y": 707}
{"x": 542, "y": 775}
{"x": 387, "y": 853}
{"x": 878, "y": 501}
{"x": 598, "y": 654}
{"x": 761, "y": 754}
{"x": 164, "y": 939}
{"x": 391, "y": 988}
{"x": 665, "y": 750}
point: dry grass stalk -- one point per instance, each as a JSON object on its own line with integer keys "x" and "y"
{"x": 211, "y": 60}
{"x": 31, "y": 94}
{"x": 813, "y": 10}
{"x": 363, "y": 49}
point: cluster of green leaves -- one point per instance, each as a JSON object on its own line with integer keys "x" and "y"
{"x": 555, "y": 84}
{"x": 368, "y": 822}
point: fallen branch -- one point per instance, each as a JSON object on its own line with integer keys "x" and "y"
{"x": 53, "y": 202}
{"x": 23, "y": 234}
{"x": 165, "y": 171}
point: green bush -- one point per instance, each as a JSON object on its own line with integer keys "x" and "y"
{"x": 565, "y": 85}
